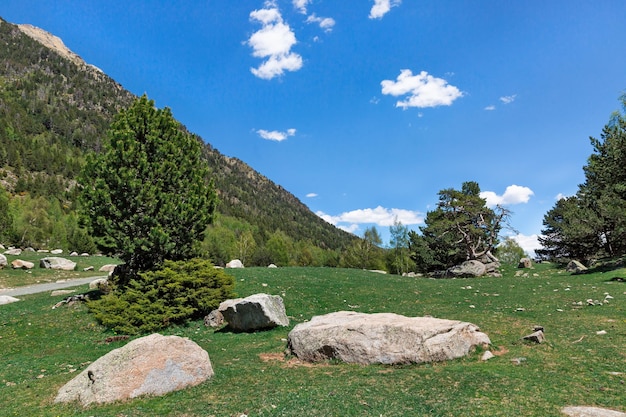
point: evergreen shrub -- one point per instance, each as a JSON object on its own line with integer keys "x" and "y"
{"x": 178, "y": 292}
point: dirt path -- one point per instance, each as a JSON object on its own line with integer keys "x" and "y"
{"x": 48, "y": 286}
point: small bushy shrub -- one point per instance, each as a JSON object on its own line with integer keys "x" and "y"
{"x": 180, "y": 291}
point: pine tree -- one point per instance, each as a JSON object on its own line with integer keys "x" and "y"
{"x": 147, "y": 197}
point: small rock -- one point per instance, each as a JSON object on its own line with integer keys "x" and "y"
{"x": 536, "y": 337}
{"x": 7, "y": 299}
{"x": 60, "y": 292}
{"x": 591, "y": 412}
{"x": 487, "y": 355}
{"x": 601, "y": 332}
{"x": 518, "y": 361}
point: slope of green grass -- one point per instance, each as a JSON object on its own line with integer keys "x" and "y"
{"x": 42, "y": 349}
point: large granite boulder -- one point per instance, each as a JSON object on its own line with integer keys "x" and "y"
{"x": 256, "y": 312}
{"x": 53, "y": 262}
{"x": 385, "y": 338}
{"x": 151, "y": 365}
{"x": 468, "y": 269}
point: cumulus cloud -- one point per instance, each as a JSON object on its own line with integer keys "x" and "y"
{"x": 528, "y": 243}
{"x": 380, "y": 216}
{"x": 560, "y": 196}
{"x": 311, "y": 195}
{"x": 422, "y": 90}
{"x": 382, "y": 7}
{"x": 300, "y": 5}
{"x": 514, "y": 194}
{"x": 273, "y": 42}
{"x": 508, "y": 99}
{"x": 275, "y": 134}
{"x": 326, "y": 23}
{"x": 491, "y": 107}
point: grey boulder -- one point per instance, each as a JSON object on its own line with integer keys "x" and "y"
{"x": 54, "y": 262}
{"x": 256, "y": 312}
{"x": 385, "y": 338}
{"x": 151, "y": 365}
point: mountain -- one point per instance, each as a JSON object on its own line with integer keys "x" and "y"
{"x": 55, "y": 108}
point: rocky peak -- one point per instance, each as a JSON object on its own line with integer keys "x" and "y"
{"x": 56, "y": 44}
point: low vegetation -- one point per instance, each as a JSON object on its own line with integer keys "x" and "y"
{"x": 45, "y": 348}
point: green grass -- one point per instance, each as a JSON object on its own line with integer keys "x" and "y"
{"x": 40, "y": 348}
{"x": 11, "y": 278}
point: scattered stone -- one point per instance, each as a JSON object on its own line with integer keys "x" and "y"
{"x": 101, "y": 284}
{"x": 43, "y": 251}
{"x": 7, "y": 299}
{"x": 525, "y": 263}
{"x": 107, "y": 268}
{"x": 272, "y": 266}
{"x": 57, "y": 263}
{"x": 487, "y": 355}
{"x": 3, "y": 261}
{"x": 13, "y": 252}
{"x": 575, "y": 267}
{"x": 214, "y": 319}
{"x": 71, "y": 300}
{"x": 520, "y": 309}
{"x": 538, "y": 328}
{"x": 56, "y": 293}
{"x": 518, "y": 361}
{"x": 89, "y": 268}
{"x": 29, "y": 249}
{"x": 256, "y": 312}
{"x": 235, "y": 263}
{"x": 385, "y": 338}
{"x": 378, "y": 271}
{"x": 601, "y": 332}
{"x": 84, "y": 254}
{"x": 536, "y": 337}
{"x": 591, "y": 412}
{"x": 56, "y": 251}
{"x": 151, "y": 365}
{"x": 20, "y": 264}
{"x": 74, "y": 254}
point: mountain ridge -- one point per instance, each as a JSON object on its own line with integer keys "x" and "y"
{"x": 50, "y": 98}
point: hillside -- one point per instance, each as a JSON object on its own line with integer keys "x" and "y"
{"x": 54, "y": 108}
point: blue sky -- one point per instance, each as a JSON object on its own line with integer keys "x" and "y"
{"x": 366, "y": 109}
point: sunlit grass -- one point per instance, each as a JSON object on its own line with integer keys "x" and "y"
{"x": 576, "y": 366}
{"x": 11, "y": 278}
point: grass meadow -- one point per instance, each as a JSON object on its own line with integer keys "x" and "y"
{"x": 11, "y": 278}
{"x": 41, "y": 349}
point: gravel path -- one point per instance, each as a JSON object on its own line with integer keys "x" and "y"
{"x": 49, "y": 286}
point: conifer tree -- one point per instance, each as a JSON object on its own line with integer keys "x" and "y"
{"x": 147, "y": 196}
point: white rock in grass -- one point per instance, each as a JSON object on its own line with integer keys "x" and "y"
{"x": 591, "y": 412}
{"x": 7, "y": 299}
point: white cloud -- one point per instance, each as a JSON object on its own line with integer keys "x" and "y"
{"x": 528, "y": 243}
{"x": 326, "y": 23}
{"x": 508, "y": 99}
{"x": 560, "y": 196}
{"x": 300, "y": 5}
{"x": 423, "y": 90}
{"x": 490, "y": 107}
{"x": 379, "y": 215}
{"x": 382, "y": 7}
{"x": 311, "y": 195}
{"x": 514, "y": 194}
{"x": 273, "y": 42}
{"x": 275, "y": 134}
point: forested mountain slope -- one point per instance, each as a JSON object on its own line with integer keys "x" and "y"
{"x": 54, "y": 109}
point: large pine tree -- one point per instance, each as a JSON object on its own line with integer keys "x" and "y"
{"x": 147, "y": 196}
